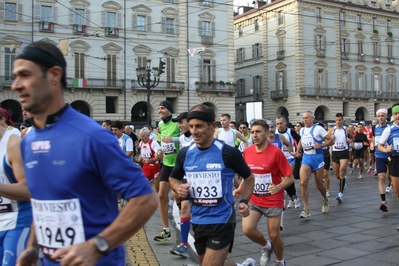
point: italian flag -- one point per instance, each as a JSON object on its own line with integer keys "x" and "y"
{"x": 79, "y": 83}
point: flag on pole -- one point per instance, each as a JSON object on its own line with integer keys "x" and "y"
{"x": 79, "y": 83}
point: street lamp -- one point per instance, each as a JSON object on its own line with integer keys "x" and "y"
{"x": 144, "y": 80}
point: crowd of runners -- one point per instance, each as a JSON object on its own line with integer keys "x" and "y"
{"x": 62, "y": 184}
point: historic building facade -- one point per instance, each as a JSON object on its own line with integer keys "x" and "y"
{"x": 105, "y": 43}
{"x": 318, "y": 55}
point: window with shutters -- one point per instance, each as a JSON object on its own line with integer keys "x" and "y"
{"x": 318, "y": 14}
{"x": 280, "y": 18}
{"x": 376, "y": 52}
{"x": 80, "y": 65}
{"x": 390, "y": 50}
{"x": 281, "y": 80}
{"x": 257, "y": 86}
{"x": 319, "y": 42}
{"x": 359, "y": 22}
{"x": 360, "y": 47}
{"x": 9, "y": 57}
{"x": 140, "y": 23}
{"x": 342, "y": 19}
{"x": 376, "y": 82}
{"x": 141, "y": 61}
{"x": 240, "y": 54}
{"x": 391, "y": 83}
{"x": 206, "y": 70}
{"x": 241, "y": 87}
{"x": 170, "y": 25}
{"x": 256, "y": 50}
{"x": 321, "y": 78}
{"x": 345, "y": 80}
{"x": 111, "y": 19}
{"x": 360, "y": 81}
{"x": 240, "y": 30}
{"x": 206, "y": 28}
{"x": 111, "y": 70}
{"x": 170, "y": 21}
{"x": 170, "y": 69}
{"x": 256, "y": 25}
{"x": 46, "y": 14}
{"x": 10, "y": 11}
{"x": 374, "y": 24}
{"x": 389, "y": 26}
{"x": 79, "y": 16}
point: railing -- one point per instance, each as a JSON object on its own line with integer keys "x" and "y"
{"x": 280, "y": 54}
{"x": 111, "y": 32}
{"x": 345, "y": 55}
{"x": 333, "y": 92}
{"x": 207, "y": 40}
{"x": 45, "y": 26}
{"x": 321, "y": 52}
{"x": 279, "y": 94}
{"x": 119, "y": 84}
{"x": 361, "y": 57}
{"x": 79, "y": 29}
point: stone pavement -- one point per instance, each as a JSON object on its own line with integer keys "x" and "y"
{"x": 355, "y": 232}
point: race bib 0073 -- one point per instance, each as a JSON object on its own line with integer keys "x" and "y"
{"x": 58, "y": 223}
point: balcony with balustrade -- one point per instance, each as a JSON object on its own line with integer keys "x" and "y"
{"x": 207, "y": 40}
{"x": 279, "y": 94}
{"x": 280, "y": 54}
{"x": 215, "y": 87}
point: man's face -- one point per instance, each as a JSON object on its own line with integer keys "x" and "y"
{"x": 202, "y": 132}
{"x": 382, "y": 118}
{"x": 105, "y": 126}
{"x": 144, "y": 137}
{"x": 259, "y": 135}
{"x": 396, "y": 118}
{"x": 339, "y": 121}
{"x": 359, "y": 128}
{"x": 25, "y": 114}
{"x": 224, "y": 121}
{"x": 243, "y": 129}
{"x": 117, "y": 132}
{"x": 163, "y": 112}
{"x": 374, "y": 122}
{"x": 32, "y": 86}
{"x": 351, "y": 128}
{"x": 281, "y": 124}
{"x": 183, "y": 125}
{"x": 307, "y": 119}
{"x": 128, "y": 130}
{"x": 231, "y": 125}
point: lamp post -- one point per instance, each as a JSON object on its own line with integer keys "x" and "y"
{"x": 144, "y": 80}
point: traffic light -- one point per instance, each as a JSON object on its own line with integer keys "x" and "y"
{"x": 161, "y": 66}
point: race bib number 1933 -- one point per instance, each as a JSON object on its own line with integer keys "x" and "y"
{"x": 58, "y": 223}
{"x": 205, "y": 187}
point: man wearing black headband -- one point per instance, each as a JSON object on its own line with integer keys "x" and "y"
{"x": 210, "y": 166}
{"x": 74, "y": 172}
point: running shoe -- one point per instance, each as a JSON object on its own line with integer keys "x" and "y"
{"x": 304, "y": 214}
{"x": 297, "y": 203}
{"x": 340, "y": 197}
{"x": 265, "y": 257}
{"x": 327, "y": 193}
{"x": 249, "y": 262}
{"x": 280, "y": 263}
{"x": 351, "y": 171}
{"x": 163, "y": 236}
{"x": 375, "y": 172}
{"x": 360, "y": 176}
{"x": 388, "y": 189}
{"x": 383, "y": 206}
{"x": 290, "y": 204}
{"x": 369, "y": 171}
{"x": 326, "y": 205}
{"x": 180, "y": 250}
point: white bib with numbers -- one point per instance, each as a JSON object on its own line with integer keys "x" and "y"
{"x": 395, "y": 145}
{"x": 168, "y": 148}
{"x": 308, "y": 144}
{"x": 357, "y": 145}
{"x": 205, "y": 187}
{"x": 262, "y": 182}
{"x": 58, "y": 223}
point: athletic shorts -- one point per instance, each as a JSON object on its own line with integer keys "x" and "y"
{"x": 213, "y": 236}
{"x": 291, "y": 160}
{"x": 327, "y": 162}
{"x": 267, "y": 212}
{"x": 165, "y": 173}
{"x": 314, "y": 161}
{"x": 381, "y": 165}
{"x": 151, "y": 171}
{"x": 12, "y": 243}
{"x": 358, "y": 154}
{"x": 340, "y": 155}
{"x": 394, "y": 166}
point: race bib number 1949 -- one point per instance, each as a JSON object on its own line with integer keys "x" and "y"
{"x": 58, "y": 223}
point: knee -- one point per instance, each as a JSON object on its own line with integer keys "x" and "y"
{"x": 248, "y": 230}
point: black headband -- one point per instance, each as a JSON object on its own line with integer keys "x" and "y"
{"x": 207, "y": 117}
{"x": 41, "y": 57}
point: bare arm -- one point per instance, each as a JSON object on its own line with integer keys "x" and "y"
{"x": 329, "y": 140}
{"x": 242, "y": 138}
{"x": 285, "y": 142}
{"x": 286, "y": 182}
{"x": 16, "y": 191}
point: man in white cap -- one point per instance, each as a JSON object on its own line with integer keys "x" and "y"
{"x": 381, "y": 156}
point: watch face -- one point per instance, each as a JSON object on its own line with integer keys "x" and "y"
{"x": 102, "y": 244}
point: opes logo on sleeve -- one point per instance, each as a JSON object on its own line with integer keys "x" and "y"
{"x": 42, "y": 146}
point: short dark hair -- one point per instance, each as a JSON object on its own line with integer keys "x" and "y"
{"x": 56, "y": 53}
{"x": 244, "y": 123}
{"x": 262, "y": 123}
{"x": 226, "y": 115}
{"x": 107, "y": 122}
{"x": 283, "y": 117}
{"x": 339, "y": 115}
{"x": 234, "y": 123}
{"x": 117, "y": 124}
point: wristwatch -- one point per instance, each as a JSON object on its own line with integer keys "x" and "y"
{"x": 101, "y": 244}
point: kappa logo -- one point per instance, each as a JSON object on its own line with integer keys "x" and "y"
{"x": 41, "y": 146}
{"x": 213, "y": 166}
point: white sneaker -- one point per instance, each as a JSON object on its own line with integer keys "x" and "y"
{"x": 290, "y": 204}
{"x": 340, "y": 197}
{"x": 360, "y": 176}
{"x": 297, "y": 203}
{"x": 388, "y": 190}
{"x": 249, "y": 262}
